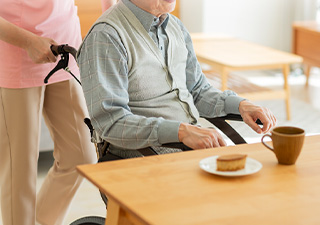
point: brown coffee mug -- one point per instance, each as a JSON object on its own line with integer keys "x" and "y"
{"x": 287, "y": 143}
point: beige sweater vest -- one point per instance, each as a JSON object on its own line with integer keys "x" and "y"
{"x": 156, "y": 88}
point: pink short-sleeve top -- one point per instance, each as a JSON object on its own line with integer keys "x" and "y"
{"x": 56, "y": 19}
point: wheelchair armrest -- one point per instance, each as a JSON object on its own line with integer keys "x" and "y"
{"x": 222, "y": 124}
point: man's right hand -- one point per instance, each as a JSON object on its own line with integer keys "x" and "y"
{"x": 199, "y": 138}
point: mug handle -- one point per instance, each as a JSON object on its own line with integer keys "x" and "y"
{"x": 265, "y": 143}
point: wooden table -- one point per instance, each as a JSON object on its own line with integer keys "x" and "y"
{"x": 226, "y": 54}
{"x": 172, "y": 189}
{"x": 306, "y": 43}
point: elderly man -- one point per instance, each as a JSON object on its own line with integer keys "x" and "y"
{"x": 144, "y": 86}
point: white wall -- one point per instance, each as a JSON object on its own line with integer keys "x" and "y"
{"x": 267, "y": 22}
{"x": 305, "y": 9}
{"x": 191, "y": 13}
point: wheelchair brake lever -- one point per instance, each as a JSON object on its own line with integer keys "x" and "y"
{"x": 62, "y": 64}
{"x": 64, "y": 51}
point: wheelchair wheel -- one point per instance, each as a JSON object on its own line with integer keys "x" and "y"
{"x": 89, "y": 220}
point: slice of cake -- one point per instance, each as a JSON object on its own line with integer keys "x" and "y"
{"x": 231, "y": 162}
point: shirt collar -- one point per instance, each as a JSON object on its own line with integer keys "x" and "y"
{"x": 146, "y": 19}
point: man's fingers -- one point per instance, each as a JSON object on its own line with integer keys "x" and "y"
{"x": 222, "y": 142}
{"x": 251, "y": 112}
{"x": 266, "y": 127}
{"x": 218, "y": 141}
{"x": 254, "y": 126}
{"x": 269, "y": 121}
{"x": 214, "y": 142}
{"x": 200, "y": 138}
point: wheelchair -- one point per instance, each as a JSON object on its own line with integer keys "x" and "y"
{"x": 102, "y": 146}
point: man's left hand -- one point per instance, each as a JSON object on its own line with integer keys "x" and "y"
{"x": 250, "y": 113}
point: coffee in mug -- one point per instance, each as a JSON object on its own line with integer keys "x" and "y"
{"x": 287, "y": 143}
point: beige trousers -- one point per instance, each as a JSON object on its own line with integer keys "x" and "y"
{"x": 63, "y": 107}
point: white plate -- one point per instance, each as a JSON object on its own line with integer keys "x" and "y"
{"x": 210, "y": 165}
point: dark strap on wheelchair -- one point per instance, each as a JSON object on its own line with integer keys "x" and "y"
{"x": 150, "y": 151}
{"x": 234, "y": 117}
{"x": 223, "y": 125}
{"x": 178, "y": 145}
{"x": 147, "y": 151}
{"x": 108, "y": 156}
{"x": 228, "y": 130}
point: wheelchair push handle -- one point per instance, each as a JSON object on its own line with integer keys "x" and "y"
{"x": 63, "y": 49}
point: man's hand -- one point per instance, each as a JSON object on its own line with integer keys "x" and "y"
{"x": 251, "y": 113}
{"x": 198, "y": 137}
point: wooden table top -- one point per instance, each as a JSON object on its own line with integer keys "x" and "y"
{"x": 173, "y": 189}
{"x": 234, "y": 53}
